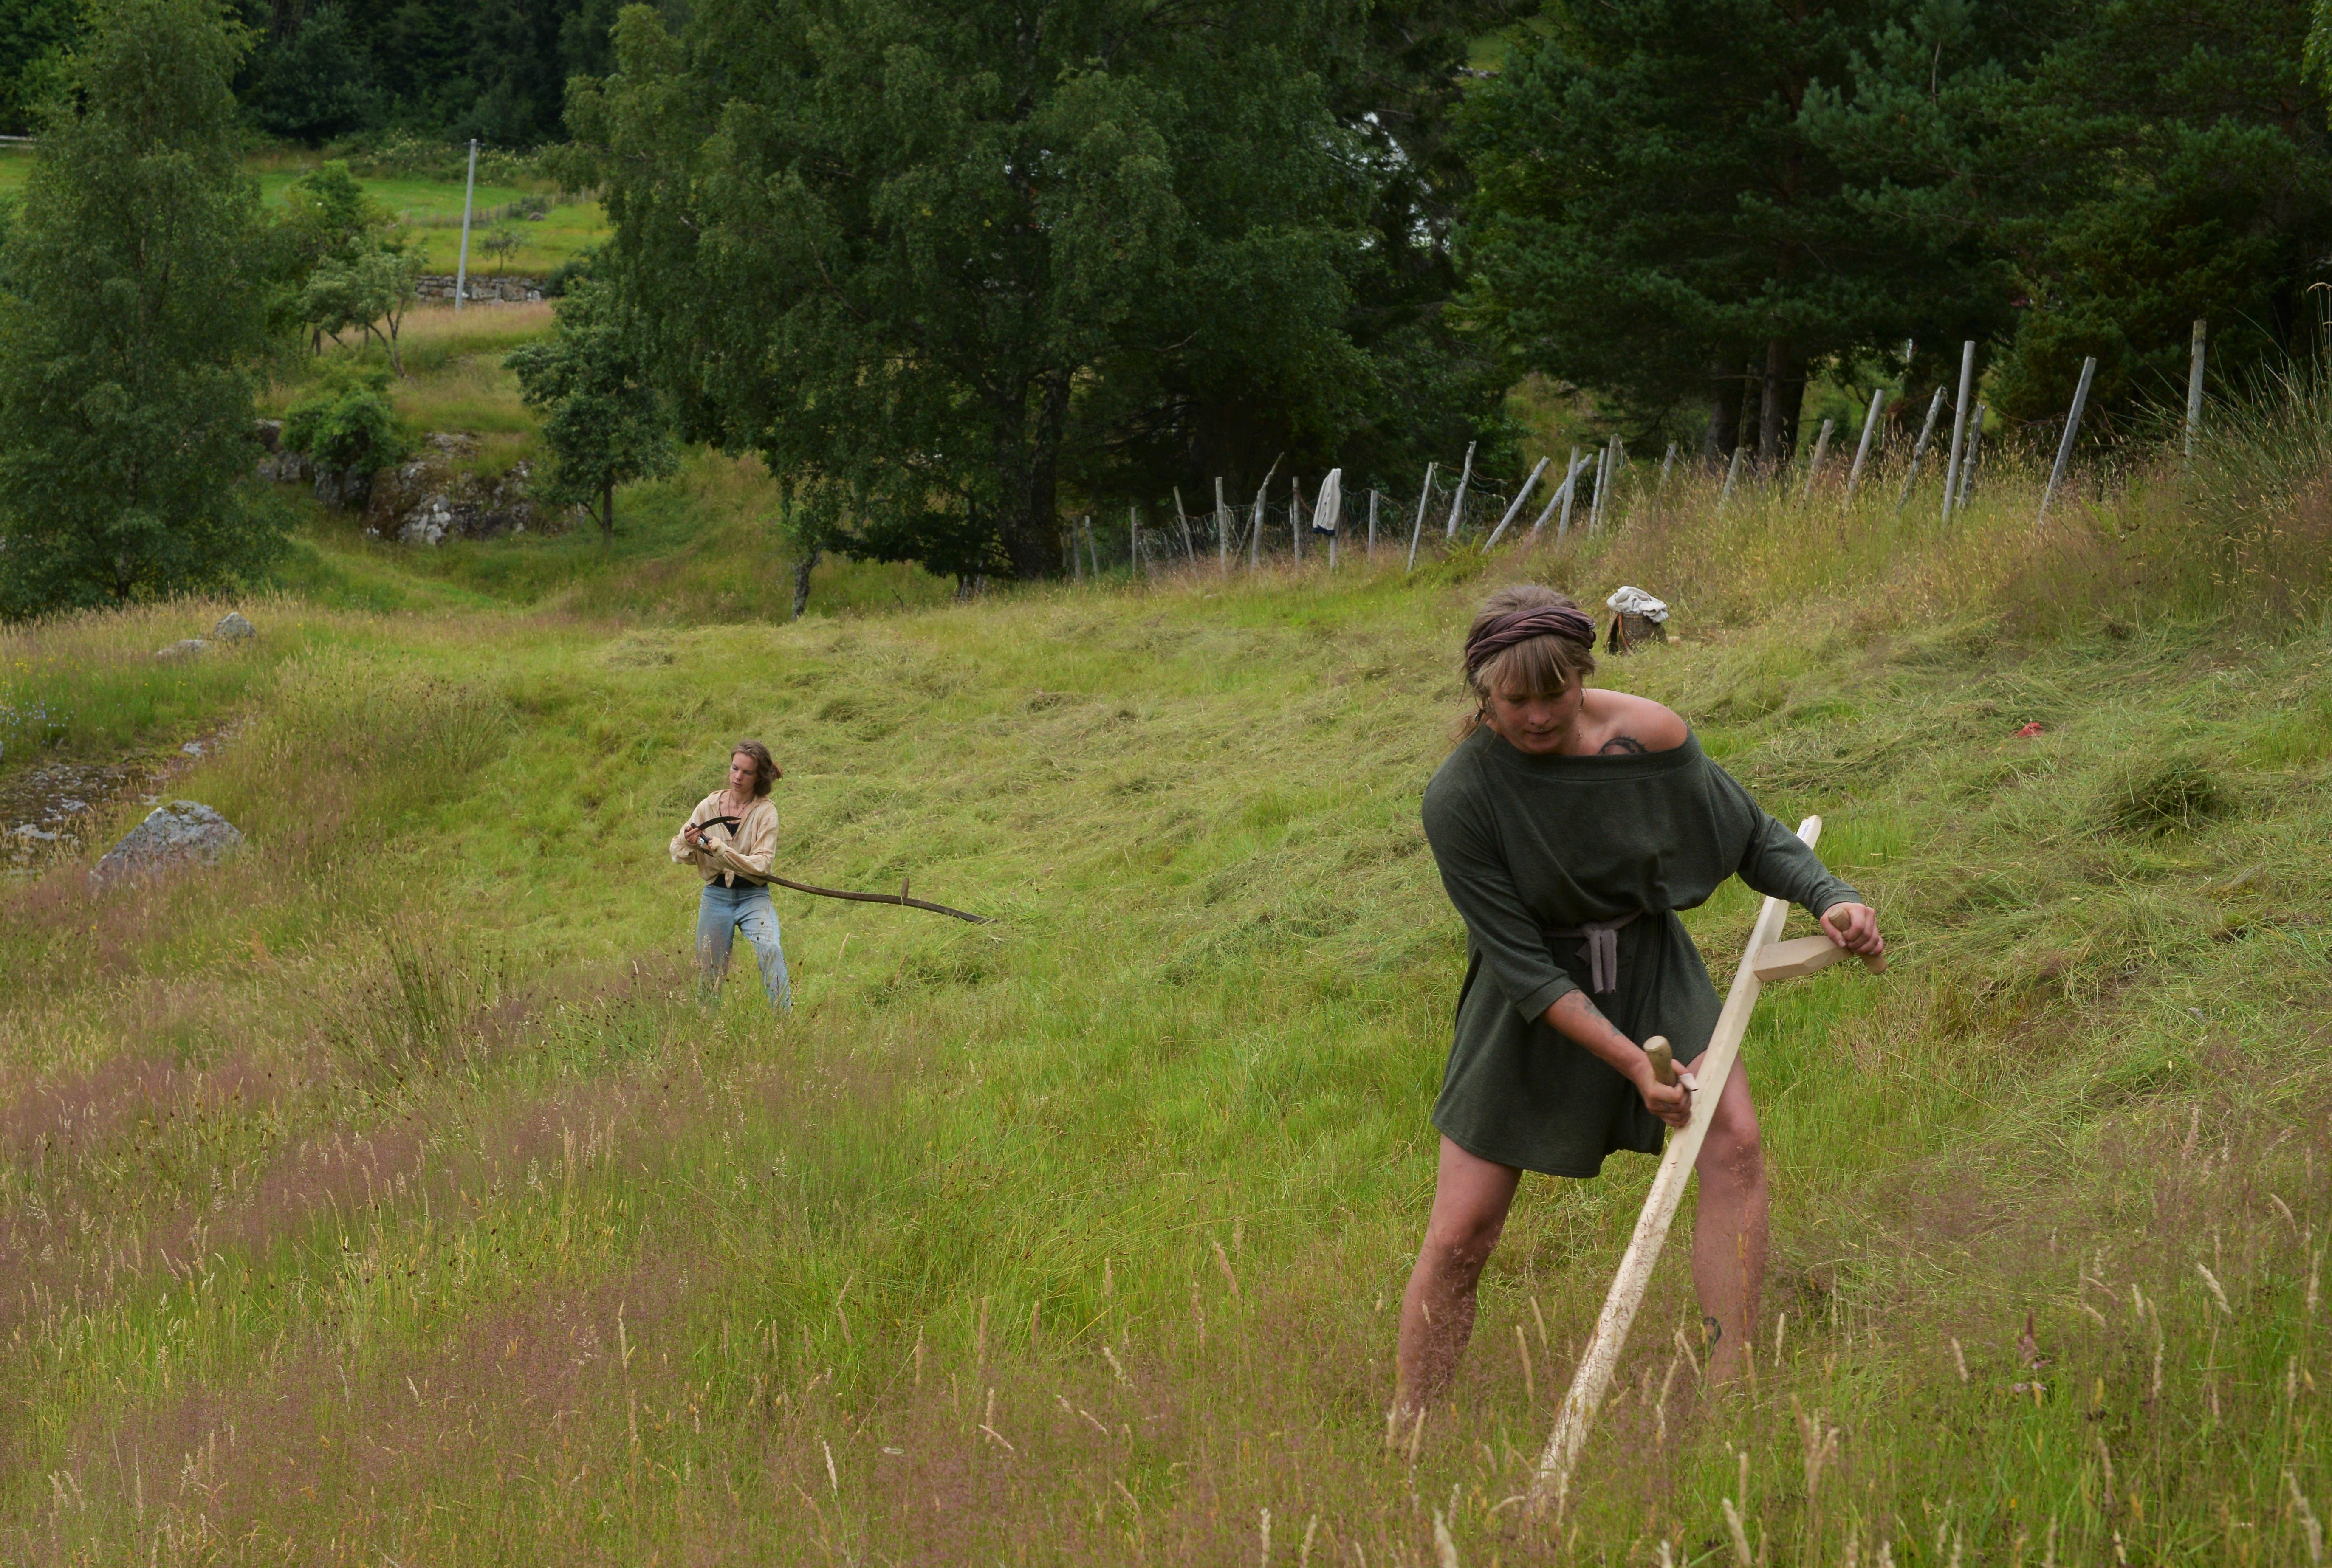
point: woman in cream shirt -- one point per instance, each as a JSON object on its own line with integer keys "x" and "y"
{"x": 731, "y": 838}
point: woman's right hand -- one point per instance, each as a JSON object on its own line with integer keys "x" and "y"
{"x": 1671, "y": 1102}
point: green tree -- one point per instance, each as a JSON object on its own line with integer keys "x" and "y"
{"x": 34, "y": 36}
{"x": 133, "y": 309}
{"x": 1674, "y": 207}
{"x": 944, "y": 257}
{"x": 2163, "y": 160}
{"x": 316, "y": 84}
{"x": 604, "y": 423}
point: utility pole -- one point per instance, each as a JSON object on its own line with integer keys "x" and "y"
{"x": 469, "y": 194}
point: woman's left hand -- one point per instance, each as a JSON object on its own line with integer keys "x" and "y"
{"x": 1854, "y": 927}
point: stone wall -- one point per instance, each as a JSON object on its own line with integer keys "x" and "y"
{"x": 439, "y": 286}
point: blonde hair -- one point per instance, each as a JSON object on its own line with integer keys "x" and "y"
{"x": 1541, "y": 666}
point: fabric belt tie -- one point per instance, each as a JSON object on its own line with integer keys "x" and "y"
{"x": 1598, "y": 944}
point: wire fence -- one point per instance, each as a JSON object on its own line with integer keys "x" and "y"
{"x": 1584, "y": 493}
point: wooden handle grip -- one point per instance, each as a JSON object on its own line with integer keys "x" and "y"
{"x": 1663, "y": 1059}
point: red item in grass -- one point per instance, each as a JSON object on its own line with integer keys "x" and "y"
{"x": 2030, "y": 730}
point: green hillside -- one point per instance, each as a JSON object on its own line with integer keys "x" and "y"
{"x": 381, "y": 1196}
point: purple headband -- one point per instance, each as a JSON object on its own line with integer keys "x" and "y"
{"x": 1496, "y": 636}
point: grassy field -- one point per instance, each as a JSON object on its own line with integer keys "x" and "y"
{"x": 433, "y": 208}
{"x": 381, "y": 1196}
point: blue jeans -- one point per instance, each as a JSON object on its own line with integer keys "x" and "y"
{"x": 724, "y": 912}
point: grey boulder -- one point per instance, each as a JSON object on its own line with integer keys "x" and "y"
{"x": 184, "y": 649}
{"x": 233, "y": 627}
{"x": 178, "y": 833}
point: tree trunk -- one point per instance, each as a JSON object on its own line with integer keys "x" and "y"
{"x": 802, "y": 568}
{"x": 1028, "y": 461}
{"x": 1784, "y": 396}
{"x": 1724, "y": 421}
{"x": 608, "y": 516}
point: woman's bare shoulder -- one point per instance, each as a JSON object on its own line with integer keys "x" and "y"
{"x": 1624, "y": 722}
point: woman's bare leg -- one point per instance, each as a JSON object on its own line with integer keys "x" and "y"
{"x": 1470, "y": 1199}
{"x": 1729, "y": 1232}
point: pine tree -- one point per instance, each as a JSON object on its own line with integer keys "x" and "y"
{"x": 1673, "y": 209}
{"x": 133, "y": 312}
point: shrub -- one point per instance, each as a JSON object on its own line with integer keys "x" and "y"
{"x": 346, "y": 423}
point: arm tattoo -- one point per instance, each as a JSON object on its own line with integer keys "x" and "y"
{"x": 1622, "y": 746}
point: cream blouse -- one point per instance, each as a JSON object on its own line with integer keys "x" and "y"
{"x": 744, "y": 853}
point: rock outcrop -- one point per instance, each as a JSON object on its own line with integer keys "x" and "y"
{"x": 433, "y": 498}
{"x": 233, "y": 628}
{"x": 184, "y": 649}
{"x": 178, "y": 833}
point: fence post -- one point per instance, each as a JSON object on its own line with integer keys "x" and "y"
{"x": 1919, "y": 453}
{"x": 1372, "y": 524}
{"x": 2195, "y": 384}
{"x": 1190, "y": 552}
{"x": 2064, "y": 445}
{"x": 1959, "y": 427}
{"x": 1458, "y": 506}
{"x": 1296, "y": 518}
{"x": 1821, "y": 445}
{"x": 1732, "y": 472}
{"x": 1418, "y": 532}
{"x": 1092, "y": 549}
{"x": 1570, "y": 493}
{"x": 1967, "y": 467}
{"x": 1222, "y": 529}
{"x": 1255, "y": 534}
{"x": 1516, "y": 507}
{"x": 1666, "y": 464}
{"x": 1133, "y": 540}
{"x": 1862, "y": 448}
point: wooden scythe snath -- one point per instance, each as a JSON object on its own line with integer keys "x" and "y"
{"x": 899, "y": 897}
{"x": 1764, "y": 959}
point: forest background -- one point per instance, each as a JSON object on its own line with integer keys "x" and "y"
{"x": 957, "y": 273}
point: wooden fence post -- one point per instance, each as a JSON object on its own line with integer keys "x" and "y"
{"x": 1373, "y": 523}
{"x": 1732, "y": 472}
{"x": 1457, "y": 505}
{"x": 1967, "y": 467}
{"x": 1520, "y": 496}
{"x": 1666, "y": 464}
{"x": 1418, "y": 532}
{"x": 1255, "y": 534}
{"x": 1821, "y": 445}
{"x": 1911, "y": 475}
{"x": 1862, "y": 448}
{"x": 1189, "y": 552}
{"x": 1092, "y": 549}
{"x": 1296, "y": 518}
{"x": 1959, "y": 428}
{"x": 2065, "y": 444}
{"x": 1222, "y": 529}
{"x": 2194, "y": 384}
{"x": 1570, "y": 493}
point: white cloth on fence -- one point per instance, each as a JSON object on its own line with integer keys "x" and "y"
{"x": 1635, "y": 601}
{"x": 1329, "y": 504}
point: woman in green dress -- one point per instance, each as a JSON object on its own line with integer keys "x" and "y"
{"x": 1570, "y": 826}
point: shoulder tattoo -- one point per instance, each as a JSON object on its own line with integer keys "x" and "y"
{"x": 1622, "y": 746}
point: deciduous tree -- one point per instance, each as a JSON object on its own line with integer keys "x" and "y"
{"x": 604, "y": 423}
{"x": 133, "y": 310}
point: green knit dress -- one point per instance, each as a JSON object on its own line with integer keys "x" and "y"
{"x": 1531, "y": 849}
